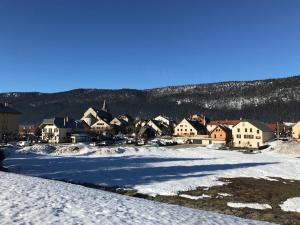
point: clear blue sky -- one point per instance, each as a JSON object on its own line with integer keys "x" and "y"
{"x": 56, "y": 45}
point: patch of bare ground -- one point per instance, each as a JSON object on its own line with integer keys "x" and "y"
{"x": 238, "y": 190}
{"x": 244, "y": 190}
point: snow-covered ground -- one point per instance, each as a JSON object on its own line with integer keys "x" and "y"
{"x": 150, "y": 170}
{"x": 29, "y": 200}
{"x": 291, "y": 205}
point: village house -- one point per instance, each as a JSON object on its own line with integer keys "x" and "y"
{"x": 189, "y": 128}
{"x": 98, "y": 120}
{"x": 221, "y": 132}
{"x": 296, "y": 131}
{"x": 58, "y": 129}
{"x": 251, "y": 134}
{"x": 9, "y": 123}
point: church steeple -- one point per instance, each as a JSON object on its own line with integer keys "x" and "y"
{"x": 105, "y": 107}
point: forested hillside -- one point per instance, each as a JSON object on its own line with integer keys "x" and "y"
{"x": 266, "y": 100}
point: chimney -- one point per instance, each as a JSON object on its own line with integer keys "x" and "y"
{"x": 66, "y": 120}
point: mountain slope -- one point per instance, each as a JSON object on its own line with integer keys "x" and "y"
{"x": 267, "y": 100}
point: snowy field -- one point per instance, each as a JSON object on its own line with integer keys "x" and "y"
{"x": 29, "y": 200}
{"x": 151, "y": 170}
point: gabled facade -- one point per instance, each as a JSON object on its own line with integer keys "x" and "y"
{"x": 101, "y": 125}
{"x": 189, "y": 128}
{"x": 59, "y": 130}
{"x": 9, "y": 123}
{"x": 221, "y": 133}
{"x": 296, "y": 131}
{"x": 251, "y": 134}
{"x": 98, "y": 120}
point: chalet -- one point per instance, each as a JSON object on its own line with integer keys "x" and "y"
{"x": 58, "y": 129}
{"x": 251, "y": 134}
{"x": 9, "y": 123}
{"x": 98, "y": 120}
{"x": 190, "y": 128}
{"x": 221, "y": 132}
{"x": 296, "y": 131}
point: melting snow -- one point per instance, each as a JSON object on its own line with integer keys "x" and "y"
{"x": 292, "y": 205}
{"x": 28, "y": 200}
{"x": 249, "y": 205}
{"x": 149, "y": 170}
{"x": 195, "y": 197}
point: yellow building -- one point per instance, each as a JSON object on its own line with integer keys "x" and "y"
{"x": 296, "y": 131}
{"x": 9, "y": 123}
{"x": 251, "y": 134}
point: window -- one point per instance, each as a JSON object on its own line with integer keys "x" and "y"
{"x": 185, "y": 129}
{"x": 246, "y": 136}
{"x": 238, "y": 129}
{"x": 246, "y": 130}
{"x": 257, "y": 137}
{"x": 238, "y": 136}
{"x": 250, "y": 130}
{"x": 177, "y": 129}
{"x": 257, "y": 131}
{"x": 191, "y": 130}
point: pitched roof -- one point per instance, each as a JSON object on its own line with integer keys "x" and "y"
{"x": 7, "y": 109}
{"x": 224, "y": 128}
{"x": 61, "y": 122}
{"x": 198, "y": 126}
{"x": 226, "y": 122}
{"x": 259, "y": 125}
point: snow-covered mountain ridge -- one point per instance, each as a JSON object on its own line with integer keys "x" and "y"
{"x": 273, "y": 99}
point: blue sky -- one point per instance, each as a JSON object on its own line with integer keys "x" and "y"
{"x": 57, "y": 45}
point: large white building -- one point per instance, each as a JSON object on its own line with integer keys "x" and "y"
{"x": 251, "y": 134}
{"x": 58, "y": 129}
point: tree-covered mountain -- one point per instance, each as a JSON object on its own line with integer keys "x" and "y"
{"x": 266, "y": 100}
